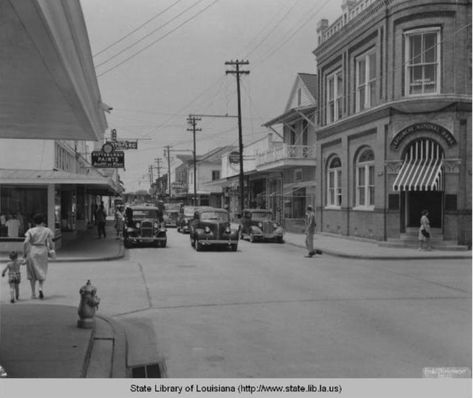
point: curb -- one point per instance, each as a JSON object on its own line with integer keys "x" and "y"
{"x": 119, "y": 255}
{"x": 391, "y": 257}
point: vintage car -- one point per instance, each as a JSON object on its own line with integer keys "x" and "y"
{"x": 144, "y": 224}
{"x": 259, "y": 224}
{"x": 212, "y": 227}
{"x": 171, "y": 214}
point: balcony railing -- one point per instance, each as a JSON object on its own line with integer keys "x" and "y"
{"x": 286, "y": 152}
{"x": 351, "y": 14}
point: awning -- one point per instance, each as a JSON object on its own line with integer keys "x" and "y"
{"x": 95, "y": 184}
{"x": 420, "y": 175}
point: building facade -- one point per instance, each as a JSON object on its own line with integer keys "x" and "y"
{"x": 290, "y": 163}
{"x": 394, "y": 120}
{"x": 51, "y": 105}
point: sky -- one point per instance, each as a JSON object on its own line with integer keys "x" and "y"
{"x": 157, "y": 62}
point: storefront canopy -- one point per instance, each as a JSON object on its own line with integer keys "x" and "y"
{"x": 94, "y": 184}
{"x": 49, "y": 86}
{"x": 420, "y": 175}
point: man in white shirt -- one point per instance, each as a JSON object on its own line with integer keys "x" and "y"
{"x": 13, "y": 225}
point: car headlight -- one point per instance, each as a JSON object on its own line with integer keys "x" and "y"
{"x": 186, "y": 221}
{"x": 207, "y": 230}
{"x": 228, "y": 230}
{"x": 260, "y": 225}
{"x": 275, "y": 225}
{"x": 137, "y": 225}
{"x": 156, "y": 225}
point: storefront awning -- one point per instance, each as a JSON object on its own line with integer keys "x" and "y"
{"x": 420, "y": 175}
{"x": 94, "y": 184}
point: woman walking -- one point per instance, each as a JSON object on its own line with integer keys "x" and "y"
{"x": 424, "y": 231}
{"x": 37, "y": 246}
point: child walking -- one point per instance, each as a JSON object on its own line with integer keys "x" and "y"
{"x": 14, "y": 275}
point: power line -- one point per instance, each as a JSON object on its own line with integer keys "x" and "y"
{"x": 158, "y": 40}
{"x": 148, "y": 34}
{"x": 137, "y": 28}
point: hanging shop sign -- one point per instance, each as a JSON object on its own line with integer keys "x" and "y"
{"x": 108, "y": 159}
{"x": 234, "y": 157}
{"x": 124, "y": 145}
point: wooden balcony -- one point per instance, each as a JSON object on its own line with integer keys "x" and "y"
{"x": 285, "y": 156}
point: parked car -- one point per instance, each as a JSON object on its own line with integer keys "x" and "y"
{"x": 171, "y": 214}
{"x": 143, "y": 224}
{"x": 259, "y": 224}
{"x": 212, "y": 227}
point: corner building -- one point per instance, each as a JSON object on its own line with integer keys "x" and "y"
{"x": 394, "y": 120}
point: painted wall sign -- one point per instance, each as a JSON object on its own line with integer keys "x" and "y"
{"x": 114, "y": 160}
{"x": 435, "y": 128}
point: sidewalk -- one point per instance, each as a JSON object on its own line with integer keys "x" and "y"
{"x": 88, "y": 247}
{"x": 43, "y": 341}
{"x": 370, "y": 250}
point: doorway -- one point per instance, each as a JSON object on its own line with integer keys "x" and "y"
{"x": 419, "y": 200}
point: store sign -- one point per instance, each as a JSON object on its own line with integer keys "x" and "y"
{"x": 113, "y": 159}
{"x": 234, "y": 157}
{"x": 423, "y": 127}
{"x": 124, "y": 145}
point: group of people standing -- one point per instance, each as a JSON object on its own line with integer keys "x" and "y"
{"x": 37, "y": 248}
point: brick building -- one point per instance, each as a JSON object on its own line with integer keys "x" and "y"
{"x": 394, "y": 120}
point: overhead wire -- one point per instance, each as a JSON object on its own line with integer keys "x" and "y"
{"x": 137, "y": 28}
{"x": 158, "y": 40}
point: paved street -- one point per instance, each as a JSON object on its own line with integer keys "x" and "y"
{"x": 266, "y": 311}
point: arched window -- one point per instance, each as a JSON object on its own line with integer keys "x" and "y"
{"x": 334, "y": 182}
{"x": 364, "y": 179}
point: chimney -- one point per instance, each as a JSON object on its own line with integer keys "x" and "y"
{"x": 322, "y": 26}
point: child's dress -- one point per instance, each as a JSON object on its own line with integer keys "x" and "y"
{"x": 14, "y": 275}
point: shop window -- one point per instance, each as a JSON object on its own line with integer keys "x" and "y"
{"x": 298, "y": 175}
{"x": 422, "y": 65}
{"x": 334, "y": 102}
{"x": 365, "y": 81}
{"x": 364, "y": 180}
{"x": 334, "y": 183}
{"x": 18, "y": 203}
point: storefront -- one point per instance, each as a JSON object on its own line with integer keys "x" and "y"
{"x": 64, "y": 198}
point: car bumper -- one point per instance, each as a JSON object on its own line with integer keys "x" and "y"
{"x": 209, "y": 242}
{"x": 268, "y": 236}
{"x": 134, "y": 239}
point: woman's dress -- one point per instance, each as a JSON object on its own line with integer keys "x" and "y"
{"x": 37, "y": 252}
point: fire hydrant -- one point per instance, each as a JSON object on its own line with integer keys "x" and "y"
{"x": 89, "y": 303}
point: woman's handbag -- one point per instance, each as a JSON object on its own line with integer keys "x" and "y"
{"x": 425, "y": 233}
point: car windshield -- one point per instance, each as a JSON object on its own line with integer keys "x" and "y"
{"x": 262, "y": 215}
{"x": 145, "y": 213}
{"x": 219, "y": 216}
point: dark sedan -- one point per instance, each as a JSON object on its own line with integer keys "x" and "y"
{"x": 259, "y": 224}
{"x": 144, "y": 225}
{"x": 212, "y": 227}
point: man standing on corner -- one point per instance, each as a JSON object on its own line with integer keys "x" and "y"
{"x": 309, "y": 231}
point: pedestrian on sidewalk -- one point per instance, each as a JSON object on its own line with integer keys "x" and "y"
{"x": 14, "y": 275}
{"x": 119, "y": 221}
{"x": 310, "y": 230}
{"x": 100, "y": 218}
{"x": 424, "y": 231}
{"x": 37, "y": 247}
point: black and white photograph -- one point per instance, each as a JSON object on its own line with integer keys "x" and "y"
{"x": 236, "y": 198}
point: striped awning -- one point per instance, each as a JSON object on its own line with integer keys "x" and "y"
{"x": 420, "y": 175}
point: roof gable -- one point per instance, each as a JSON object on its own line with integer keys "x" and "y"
{"x": 303, "y": 92}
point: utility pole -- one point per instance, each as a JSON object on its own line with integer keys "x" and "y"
{"x": 192, "y": 120}
{"x": 237, "y": 72}
{"x": 158, "y": 169}
{"x": 167, "y": 152}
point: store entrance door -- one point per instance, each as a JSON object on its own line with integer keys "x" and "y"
{"x": 420, "y": 200}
